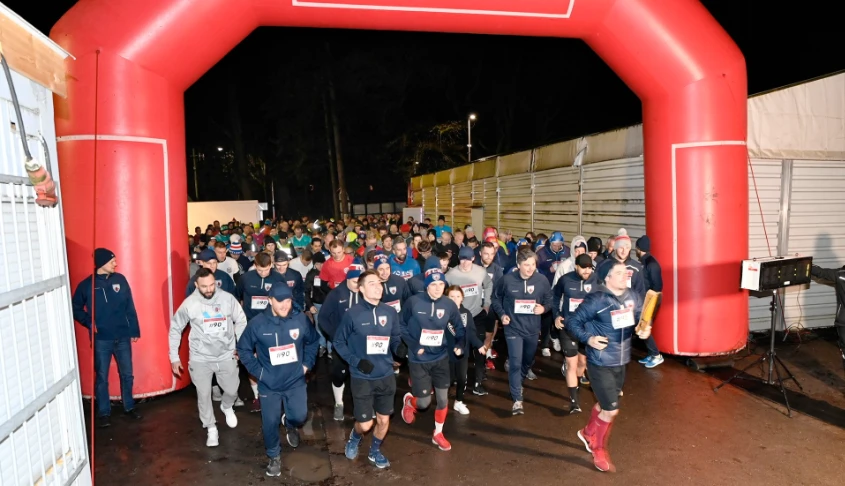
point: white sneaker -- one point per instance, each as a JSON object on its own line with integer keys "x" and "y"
{"x": 213, "y": 439}
{"x": 545, "y": 352}
{"x": 238, "y": 403}
{"x": 461, "y": 408}
{"x": 216, "y": 393}
{"x": 556, "y": 345}
{"x": 231, "y": 419}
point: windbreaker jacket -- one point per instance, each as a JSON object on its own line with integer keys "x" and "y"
{"x": 224, "y": 282}
{"x": 471, "y": 340}
{"x": 253, "y": 291}
{"x": 216, "y": 324}
{"x": 370, "y": 332}
{"x": 274, "y": 349}
{"x": 604, "y": 314}
{"x": 426, "y": 321}
{"x": 314, "y": 290}
{"x": 652, "y": 274}
{"x": 570, "y": 291}
{"x": 512, "y": 297}
{"x": 396, "y": 292}
{"x": 294, "y": 281}
{"x": 339, "y": 300}
{"x": 115, "y": 308}
{"x": 566, "y": 265}
{"x": 547, "y": 260}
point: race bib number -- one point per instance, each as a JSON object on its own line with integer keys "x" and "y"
{"x": 377, "y": 344}
{"x": 396, "y": 305}
{"x": 431, "y": 338}
{"x": 630, "y": 276}
{"x": 554, "y": 266}
{"x": 574, "y": 303}
{"x": 280, "y": 355}
{"x": 523, "y": 306}
{"x": 470, "y": 290}
{"x": 214, "y": 326}
{"x": 622, "y": 318}
{"x": 317, "y": 281}
{"x": 260, "y": 302}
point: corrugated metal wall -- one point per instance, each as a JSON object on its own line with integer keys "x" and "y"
{"x": 461, "y": 204}
{"x": 556, "y": 201}
{"x": 444, "y": 204}
{"x": 515, "y": 204}
{"x": 768, "y": 176}
{"x": 429, "y": 197}
{"x": 491, "y": 202}
{"x": 613, "y": 197}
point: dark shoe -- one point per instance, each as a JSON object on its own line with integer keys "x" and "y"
{"x": 274, "y": 469}
{"x": 293, "y": 437}
{"x": 256, "y": 406}
{"x": 479, "y": 390}
{"x": 103, "y": 421}
{"x": 132, "y": 414}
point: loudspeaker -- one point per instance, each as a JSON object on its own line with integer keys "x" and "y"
{"x": 762, "y": 274}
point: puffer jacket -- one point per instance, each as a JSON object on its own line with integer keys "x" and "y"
{"x": 604, "y": 314}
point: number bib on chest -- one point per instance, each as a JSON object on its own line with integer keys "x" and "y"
{"x": 470, "y": 290}
{"x": 260, "y": 302}
{"x": 214, "y": 326}
{"x": 317, "y": 281}
{"x": 396, "y": 305}
{"x": 431, "y": 338}
{"x": 622, "y": 318}
{"x": 630, "y": 276}
{"x": 523, "y": 306}
{"x": 280, "y": 355}
{"x": 377, "y": 344}
{"x": 574, "y": 303}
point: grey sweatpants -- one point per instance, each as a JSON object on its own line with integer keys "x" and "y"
{"x": 227, "y": 378}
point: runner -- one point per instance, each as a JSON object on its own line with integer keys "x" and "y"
{"x": 458, "y": 364}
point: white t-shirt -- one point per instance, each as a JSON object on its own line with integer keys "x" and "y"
{"x": 230, "y": 266}
{"x": 297, "y": 265}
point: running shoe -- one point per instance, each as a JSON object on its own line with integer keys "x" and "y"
{"x": 460, "y": 408}
{"x": 556, "y": 344}
{"x": 378, "y": 460}
{"x": 274, "y": 468}
{"x": 441, "y": 442}
{"x": 256, "y": 406}
{"x": 601, "y": 459}
{"x": 409, "y": 413}
{"x": 530, "y": 375}
{"x": 351, "y": 451}
{"x": 517, "y": 408}
{"x": 338, "y": 412}
{"x": 479, "y": 390}
{"x": 545, "y": 352}
{"x": 654, "y": 361}
{"x": 490, "y": 365}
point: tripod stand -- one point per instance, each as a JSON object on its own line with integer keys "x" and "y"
{"x": 773, "y": 361}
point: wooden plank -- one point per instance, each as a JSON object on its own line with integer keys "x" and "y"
{"x": 29, "y": 54}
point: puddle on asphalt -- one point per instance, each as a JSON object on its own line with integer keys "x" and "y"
{"x": 308, "y": 463}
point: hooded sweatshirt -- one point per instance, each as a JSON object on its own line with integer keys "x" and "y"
{"x": 568, "y": 264}
{"x": 216, "y": 324}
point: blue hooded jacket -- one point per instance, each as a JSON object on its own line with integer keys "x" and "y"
{"x": 370, "y": 332}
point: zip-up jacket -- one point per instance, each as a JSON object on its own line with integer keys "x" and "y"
{"x": 115, "y": 308}
{"x": 301, "y": 242}
{"x": 494, "y": 271}
{"x": 294, "y": 281}
{"x": 652, "y": 274}
{"x": 417, "y": 283}
{"x": 253, "y": 291}
{"x": 274, "y": 349}
{"x": 570, "y": 291}
{"x": 835, "y": 276}
{"x": 224, "y": 283}
{"x": 514, "y": 297}
{"x": 396, "y": 292}
{"x": 547, "y": 260}
{"x": 406, "y": 269}
{"x": 339, "y": 300}
{"x": 471, "y": 340}
{"x": 314, "y": 292}
{"x": 425, "y": 325}
{"x": 636, "y": 280}
{"x": 604, "y": 314}
{"x": 370, "y": 332}
{"x": 216, "y": 324}
{"x": 476, "y": 284}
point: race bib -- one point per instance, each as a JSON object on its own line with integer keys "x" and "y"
{"x": 470, "y": 290}
{"x": 317, "y": 281}
{"x": 280, "y": 355}
{"x": 214, "y": 326}
{"x": 630, "y": 275}
{"x": 622, "y": 318}
{"x": 574, "y": 303}
{"x": 377, "y": 344}
{"x": 396, "y": 305}
{"x": 523, "y": 306}
{"x": 554, "y": 267}
{"x": 260, "y": 302}
{"x": 431, "y": 338}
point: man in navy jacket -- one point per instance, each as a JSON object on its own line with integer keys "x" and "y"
{"x": 114, "y": 331}
{"x": 367, "y": 339}
{"x": 278, "y": 347}
{"x": 653, "y": 280}
{"x": 208, "y": 259}
{"x": 605, "y": 323}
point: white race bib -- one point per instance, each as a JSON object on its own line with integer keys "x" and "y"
{"x": 214, "y": 326}
{"x": 378, "y": 344}
{"x": 317, "y": 281}
{"x": 431, "y": 338}
{"x": 260, "y": 302}
{"x": 523, "y": 306}
{"x": 630, "y": 276}
{"x": 574, "y": 303}
{"x": 470, "y": 290}
{"x": 622, "y": 318}
{"x": 396, "y": 305}
{"x": 286, "y": 354}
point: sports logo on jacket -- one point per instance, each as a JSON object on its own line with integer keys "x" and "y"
{"x": 216, "y": 309}
{"x": 116, "y": 287}
{"x": 294, "y": 333}
{"x": 382, "y": 320}
{"x": 629, "y": 304}
{"x": 588, "y": 287}
{"x": 440, "y": 313}
{"x": 530, "y": 289}
{"x": 464, "y": 318}
{"x": 219, "y": 283}
{"x": 267, "y": 287}
{"x": 291, "y": 283}
{"x": 392, "y": 290}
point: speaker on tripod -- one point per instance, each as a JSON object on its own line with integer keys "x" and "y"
{"x": 764, "y": 277}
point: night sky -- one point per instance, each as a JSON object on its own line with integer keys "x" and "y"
{"x": 393, "y": 87}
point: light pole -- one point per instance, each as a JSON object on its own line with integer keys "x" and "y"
{"x": 470, "y": 119}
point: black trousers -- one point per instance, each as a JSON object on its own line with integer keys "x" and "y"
{"x": 458, "y": 373}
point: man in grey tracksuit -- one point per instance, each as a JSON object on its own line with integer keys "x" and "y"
{"x": 217, "y": 321}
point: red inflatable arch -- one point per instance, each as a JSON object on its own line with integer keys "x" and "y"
{"x": 135, "y": 59}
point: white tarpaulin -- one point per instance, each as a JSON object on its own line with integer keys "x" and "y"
{"x": 203, "y": 214}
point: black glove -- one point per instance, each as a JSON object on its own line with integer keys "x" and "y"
{"x": 364, "y": 366}
{"x": 402, "y": 351}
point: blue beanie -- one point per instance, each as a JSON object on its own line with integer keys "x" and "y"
{"x": 380, "y": 260}
{"x": 557, "y": 237}
{"x": 644, "y": 243}
{"x": 354, "y": 271}
{"x": 101, "y": 257}
{"x": 604, "y": 268}
{"x": 434, "y": 275}
{"x": 281, "y": 292}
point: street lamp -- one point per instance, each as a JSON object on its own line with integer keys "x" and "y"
{"x": 470, "y": 119}
{"x": 219, "y": 149}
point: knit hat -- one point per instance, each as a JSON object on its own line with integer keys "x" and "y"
{"x": 466, "y": 253}
{"x": 235, "y": 248}
{"x": 405, "y": 228}
{"x": 280, "y": 292}
{"x": 379, "y": 260}
{"x": 584, "y": 261}
{"x": 434, "y": 275}
{"x": 557, "y": 237}
{"x": 102, "y": 256}
{"x": 207, "y": 255}
{"x": 319, "y": 257}
{"x": 594, "y": 244}
{"x": 489, "y": 233}
{"x": 431, "y": 262}
{"x": 604, "y": 268}
{"x": 622, "y": 238}
{"x": 644, "y": 243}
{"x": 354, "y": 271}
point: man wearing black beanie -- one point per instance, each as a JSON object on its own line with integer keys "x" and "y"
{"x": 653, "y": 281}
{"x": 114, "y": 331}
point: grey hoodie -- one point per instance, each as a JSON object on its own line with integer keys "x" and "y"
{"x": 568, "y": 265}
{"x": 216, "y": 325}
